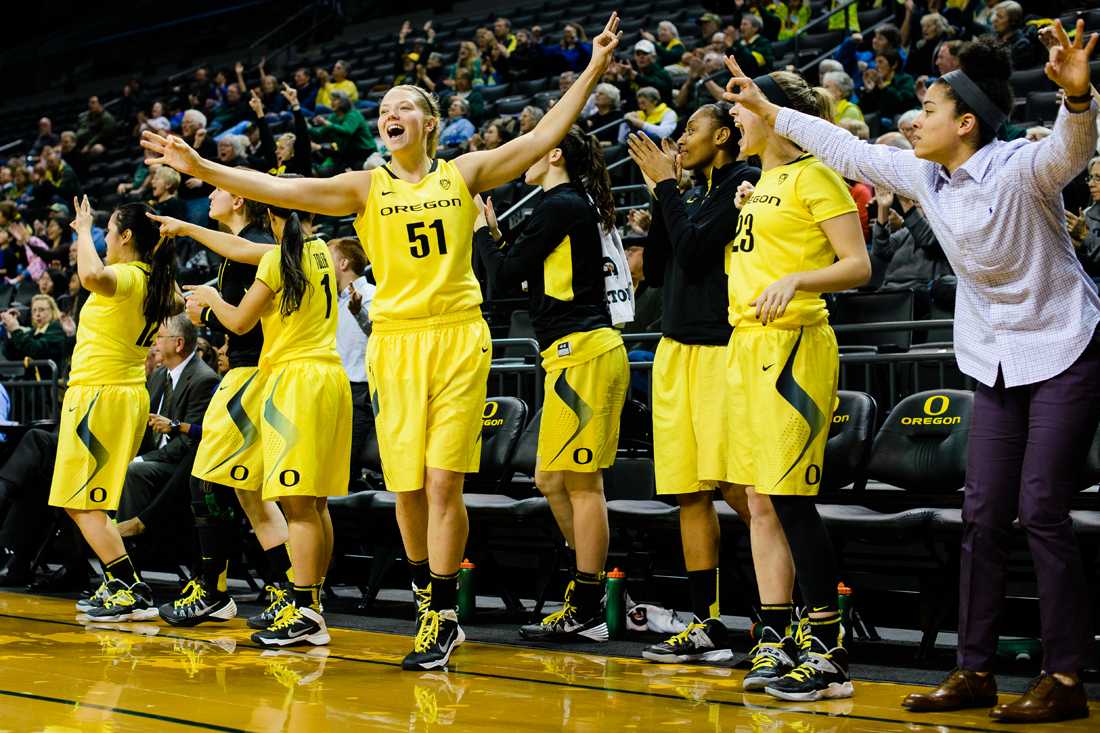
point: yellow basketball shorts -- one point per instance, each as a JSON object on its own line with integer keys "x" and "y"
{"x": 428, "y": 382}
{"x": 690, "y": 423}
{"x": 100, "y": 433}
{"x": 583, "y": 403}
{"x": 781, "y": 396}
{"x": 306, "y": 430}
{"x": 231, "y": 452}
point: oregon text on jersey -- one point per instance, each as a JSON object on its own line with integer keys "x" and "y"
{"x": 409, "y": 208}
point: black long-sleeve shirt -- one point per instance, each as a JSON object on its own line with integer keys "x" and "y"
{"x": 684, "y": 254}
{"x": 234, "y": 280}
{"x": 560, "y": 255}
{"x": 301, "y": 162}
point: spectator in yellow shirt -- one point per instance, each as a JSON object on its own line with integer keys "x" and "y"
{"x": 339, "y": 82}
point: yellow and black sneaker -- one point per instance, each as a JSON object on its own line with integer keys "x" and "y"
{"x": 822, "y": 673}
{"x": 566, "y": 625}
{"x": 699, "y": 642}
{"x": 125, "y": 603}
{"x": 772, "y": 657}
{"x": 196, "y": 604}
{"x": 95, "y": 600}
{"x": 436, "y": 638}
{"x": 294, "y": 625}
{"x": 278, "y": 597}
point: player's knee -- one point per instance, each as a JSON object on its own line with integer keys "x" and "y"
{"x": 737, "y": 497}
{"x": 550, "y": 483}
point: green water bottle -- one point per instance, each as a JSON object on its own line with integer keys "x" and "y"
{"x": 467, "y": 595}
{"x": 616, "y": 603}
{"x": 844, "y": 605}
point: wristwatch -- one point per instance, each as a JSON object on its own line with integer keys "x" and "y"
{"x": 174, "y": 427}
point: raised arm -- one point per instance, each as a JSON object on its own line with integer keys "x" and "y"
{"x": 94, "y": 275}
{"x": 1057, "y": 159}
{"x": 340, "y": 195}
{"x": 488, "y": 169}
{"x": 879, "y": 165}
{"x": 229, "y": 246}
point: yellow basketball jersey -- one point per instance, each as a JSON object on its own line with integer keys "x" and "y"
{"x": 113, "y": 337}
{"x": 778, "y": 235}
{"x": 419, "y": 239}
{"x": 310, "y": 331}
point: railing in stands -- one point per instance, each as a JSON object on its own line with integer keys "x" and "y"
{"x": 10, "y": 145}
{"x": 520, "y": 358}
{"x": 33, "y": 389}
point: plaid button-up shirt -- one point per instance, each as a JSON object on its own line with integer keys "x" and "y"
{"x": 1023, "y": 303}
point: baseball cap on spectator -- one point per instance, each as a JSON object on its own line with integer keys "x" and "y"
{"x": 712, "y": 17}
{"x": 60, "y": 209}
{"x": 414, "y": 56}
{"x": 645, "y": 46}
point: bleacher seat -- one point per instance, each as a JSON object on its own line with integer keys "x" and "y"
{"x": 512, "y": 104}
{"x": 493, "y": 92}
{"x": 1042, "y": 106}
{"x": 849, "y": 446}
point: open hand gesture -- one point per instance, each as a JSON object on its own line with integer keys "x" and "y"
{"x": 1068, "y": 66}
{"x": 82, "y": 221}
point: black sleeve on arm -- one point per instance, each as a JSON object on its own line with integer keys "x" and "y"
{"x": 510, "y": 265}
{"x": 267, "y": 144}
{"x": 694, "y": 243}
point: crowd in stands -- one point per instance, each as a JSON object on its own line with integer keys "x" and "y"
{"x": 320, "y": 122}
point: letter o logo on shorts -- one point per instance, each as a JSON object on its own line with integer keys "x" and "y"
{"x": 813, "y": 474}
{"x": 582, "y": 456}
{"x": 936, "y": 400}
{"x": 238, "y": 473}
{"x": 289, "y": 477}
{"x": 491, "y": 408}
{"x": 98, "y": 494}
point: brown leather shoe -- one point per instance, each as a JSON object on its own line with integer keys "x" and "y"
{"x": 962, "y": 689}
{"x": 1046, "y": 701}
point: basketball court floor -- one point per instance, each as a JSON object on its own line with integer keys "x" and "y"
{"x": 57, "y": 674}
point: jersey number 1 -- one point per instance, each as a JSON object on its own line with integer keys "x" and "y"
{"x": 422, "y": 247}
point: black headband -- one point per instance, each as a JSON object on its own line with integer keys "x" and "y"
{"x": 772, "y": 90}
{"x": 975, "y": 98}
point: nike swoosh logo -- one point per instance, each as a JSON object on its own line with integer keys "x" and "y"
{"x": 386, "y": 193}
{"x": 72, "y": 409}
{"x": 484, "y": 349}
{"x": 769, "y": 366}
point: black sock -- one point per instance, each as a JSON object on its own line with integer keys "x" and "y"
{"x": 418, "y": 573}
{"x": 278, "y": 565}
{"x": 214, "y": 574}
{"x": 704, "y": 593}
{"x": 444, "y": 591}
{"x": 308, "y": 596}
{"x": 778, "y": 617}
{"x": 587, "y": 592}
{"x": 123, "y": 569}
{"x": 826, "y": 629}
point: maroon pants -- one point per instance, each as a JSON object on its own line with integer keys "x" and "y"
{"x": 1026, "y": 448}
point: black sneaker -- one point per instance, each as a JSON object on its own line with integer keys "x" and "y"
{"x": 294, "y": 625}
{"x": 125, "y": 603}
{"x": 95, "y": 600}
{"x": 822, "y": 674}
{"x": 196, "y": 604}
{"x": 278, "y": 597}
{"x": 565, "y": 625}
{"x": 771, "y": 658}
{"x": 423, "y": 598}
{"x": 696, "y": 643}
{"x": 437, "y": 636}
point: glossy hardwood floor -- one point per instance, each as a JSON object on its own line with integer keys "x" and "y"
{"x": 57, "y": 674}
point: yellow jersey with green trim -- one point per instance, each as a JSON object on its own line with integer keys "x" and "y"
{"x": 113, "y": 337}
{"x": 778, "y": 234}
{"x": 309, "y": 332}
{"x": 419, "y": 240}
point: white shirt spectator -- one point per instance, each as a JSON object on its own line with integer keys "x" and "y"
{"x": 352, "y": 330}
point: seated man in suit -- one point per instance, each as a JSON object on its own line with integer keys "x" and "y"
{"x": 179, "y": 391}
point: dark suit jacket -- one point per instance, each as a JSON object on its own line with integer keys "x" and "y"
{"x": 188, "y": 404}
